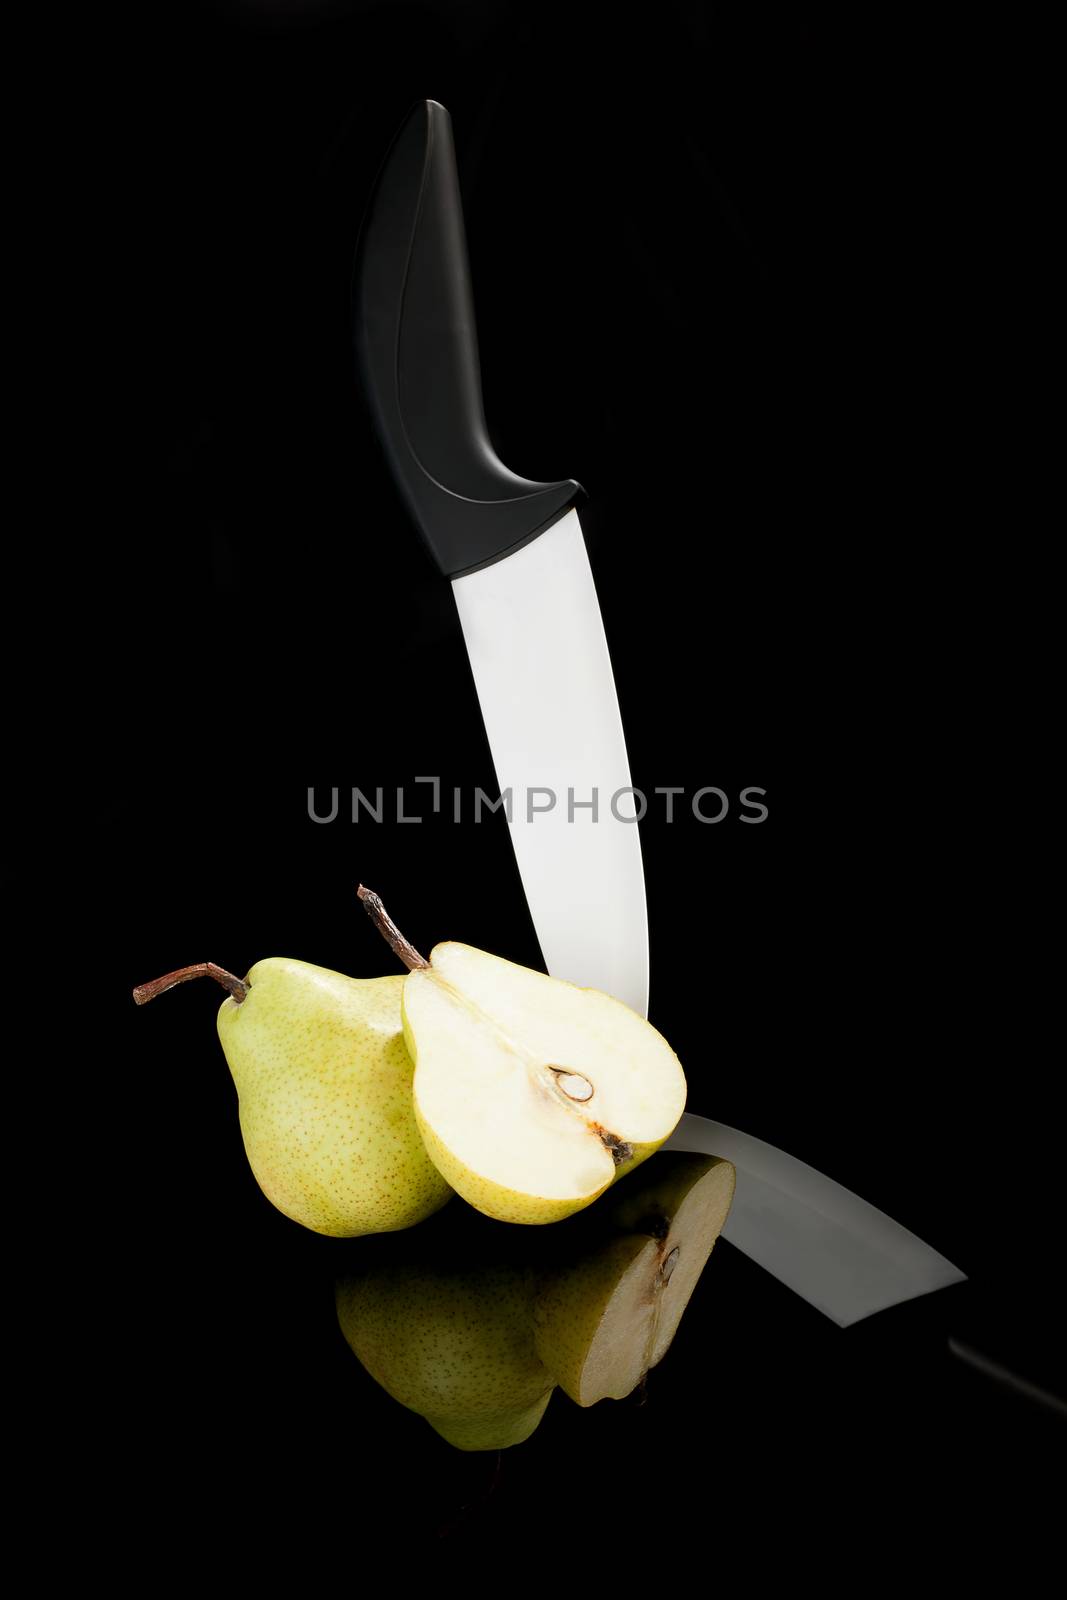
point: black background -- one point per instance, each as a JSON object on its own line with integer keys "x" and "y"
{"x": 728, "y": 268}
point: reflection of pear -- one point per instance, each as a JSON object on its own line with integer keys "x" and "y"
{"x": 471, "y": 1322}
{"x": 607, "y": 1316}
{"x": 455, "y": 1346}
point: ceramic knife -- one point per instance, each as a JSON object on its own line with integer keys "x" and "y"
{"x": 514, "y": 553}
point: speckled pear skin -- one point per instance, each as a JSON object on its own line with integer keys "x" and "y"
{"x": 324, "y": 1083}
{"x": 455, "y": 1346}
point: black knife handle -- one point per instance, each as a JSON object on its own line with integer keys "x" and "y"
{"x": 413, "y": 317}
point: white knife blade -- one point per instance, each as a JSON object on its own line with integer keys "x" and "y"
{"x": 537, "y": 649}
{"x": 540, "y": 661}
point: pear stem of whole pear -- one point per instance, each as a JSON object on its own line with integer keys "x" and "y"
{"x": 237, "y": 987}
{"x": 389, "y": 931}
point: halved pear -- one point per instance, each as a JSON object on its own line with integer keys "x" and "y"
{"x": 532, "y": 1095}
{"x": 605, "y": 1319}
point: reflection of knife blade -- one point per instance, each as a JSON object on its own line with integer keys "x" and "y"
{"x": 840, "y": 1253}
{"x": 514, "y": 551}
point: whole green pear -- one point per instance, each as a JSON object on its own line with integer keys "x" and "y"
{"x": 323, "y": 1081}
{"x": 456, "y": 1346}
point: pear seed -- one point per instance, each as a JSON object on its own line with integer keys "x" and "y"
{"x": 670, "y": 1264}
{"x": 574, "y": 1086}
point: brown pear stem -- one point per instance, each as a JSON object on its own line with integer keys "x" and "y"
{"x": 389, "y": 931}
{"x": 237, "y": 987}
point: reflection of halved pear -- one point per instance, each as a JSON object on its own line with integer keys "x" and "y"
{"x": 605, "y": 1319}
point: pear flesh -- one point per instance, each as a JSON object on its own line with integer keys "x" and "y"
{"x": 456, "y": 1347}
{"x": 532, "y": 1095}
{"x": 603, "y": 1321}
{"x": 324, "y": 1083}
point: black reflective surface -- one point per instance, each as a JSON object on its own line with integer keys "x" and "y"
{"x": 747, "y": 325}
